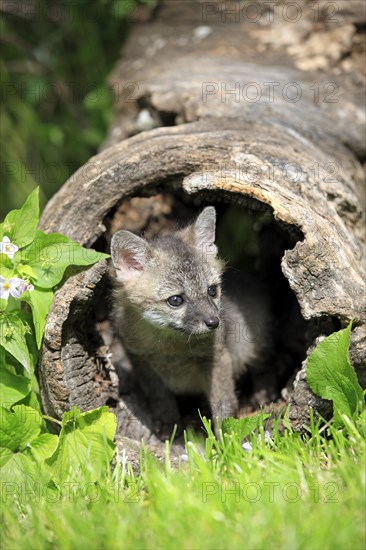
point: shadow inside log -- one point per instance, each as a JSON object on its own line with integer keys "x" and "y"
{"x": 249, "y": 240}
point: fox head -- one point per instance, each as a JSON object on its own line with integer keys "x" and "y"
{"x": 174, "y": 280}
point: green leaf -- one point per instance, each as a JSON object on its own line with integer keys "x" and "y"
{"x": 7, "y": 271}
{"x": 26, "y": 270}
{"x": 5, "y": 455}
{"x": 361, "y": 423}
{"x": 27, "y": 319}
{"x": 32, "y": 400}
{"x": 330, "y": 375}
{"x": 13, "y": 387}
{"x": 12, "y": 339}
{"x": 242, "y": 427}
{"x": 20, "y": 225}
{"x": 85, "y": 445}
{"x": 49, "y": 256}
{"x": 19, "y": 427}
{"x": 24, "y": 468}
{"x": 40, "y": 300}
{"x": 43, "y": 446}
{"x": 18, "y": 469}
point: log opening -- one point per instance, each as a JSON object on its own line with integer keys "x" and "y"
{"x": 250, "y": 239}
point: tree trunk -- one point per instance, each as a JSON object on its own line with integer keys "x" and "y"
{"x": 234, "y": 122}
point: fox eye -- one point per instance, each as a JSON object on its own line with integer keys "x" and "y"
{"x": 175, "y": 301}
{"x": 212, "y": 291}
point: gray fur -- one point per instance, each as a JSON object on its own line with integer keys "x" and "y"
{"x": 172, "y": 349}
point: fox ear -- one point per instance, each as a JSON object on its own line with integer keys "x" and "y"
{"x": 130, "y": 254}
{"x": 204, "y": 230}
{"x": 201, "y": 233}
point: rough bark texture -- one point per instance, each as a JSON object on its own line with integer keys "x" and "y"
{"x": 295, "y": 152}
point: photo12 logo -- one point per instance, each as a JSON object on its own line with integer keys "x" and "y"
{"x": 269, "y": 491}
{"x": 33, "y": 491}
{"x": 269, "y": 92}
{"x": 268, "y": 11}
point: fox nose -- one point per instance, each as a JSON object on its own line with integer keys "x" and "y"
{"x": 212, "y": 322}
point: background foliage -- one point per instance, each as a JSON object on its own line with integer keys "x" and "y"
{"x": 55, "y": 101}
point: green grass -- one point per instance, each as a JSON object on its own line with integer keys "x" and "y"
{"x": 290, "y": 493}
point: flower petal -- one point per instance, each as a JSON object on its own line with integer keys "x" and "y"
{"x": 247, "y": 447}
{"x": 16, "y": 281}
{"x": 8, "y": 248}
{"x": 17, "y": 286}
{"x": 4, "y": 293}
{"x": 267, "y": 437}
{"x": 15, "y": 292}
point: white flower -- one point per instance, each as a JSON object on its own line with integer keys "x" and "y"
{"x": 14, "y": 286}
{"x": 267, "y": 437}
{"x": 8, "y": 248}
{"x": 248, "y": 446}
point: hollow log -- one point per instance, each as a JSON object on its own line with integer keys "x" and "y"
{"x": 206, "y": 115}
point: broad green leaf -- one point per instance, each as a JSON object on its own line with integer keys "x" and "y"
{"x": 5, "y": 455}
{"x": 19, "y": 427}
{"x": 331, "y": 376}
{"x": 242, "y": 427}
{"x": 27, "y": 271}
{"x": 31, "y": 400}
{"x": 85, "y": 445}
{"x": 40, "y": 300}
{"x": 13, "y": 387}
{"x": 20, "y": 225}
{"x": 13, "y": 340}
{"x": 6, "y": 270}
{"x": 43, "y": 446}
{"x": 24, "y": 468}
{"x": 91, "y": 421}
{"x": 17, "y": 470}
{"x": 344, "y": 397}
{"x": 49, "y": 256}
{"x": 14, "y": 305}
{"x": 27, "y": 319}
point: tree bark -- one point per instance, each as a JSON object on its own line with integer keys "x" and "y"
{"x": 235, "y": 123}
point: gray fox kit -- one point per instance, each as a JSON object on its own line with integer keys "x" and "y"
{"x": 181, "y": 332}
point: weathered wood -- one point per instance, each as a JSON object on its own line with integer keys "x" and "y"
{"x": 73, "y": 353}
{"x": 297, "y": 160}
